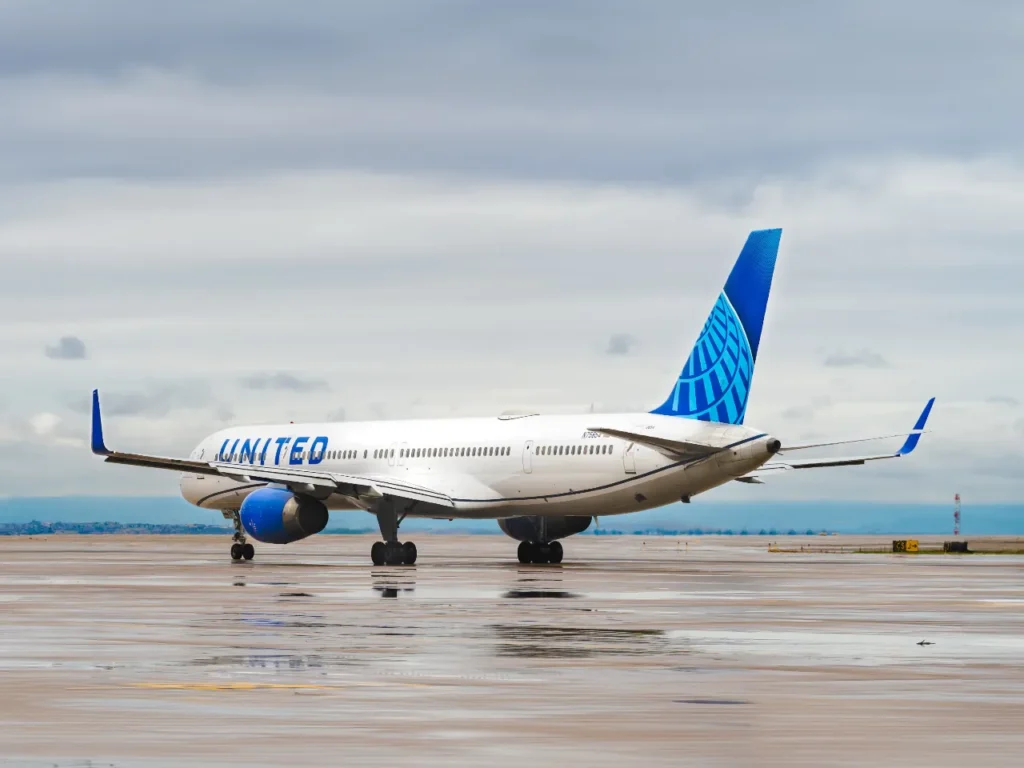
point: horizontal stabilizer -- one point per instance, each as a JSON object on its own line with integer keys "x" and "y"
{"x": 663, "y": 444}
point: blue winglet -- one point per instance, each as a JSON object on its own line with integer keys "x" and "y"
{"x": 914, "y": 437}
{"x": 98, "y": 446}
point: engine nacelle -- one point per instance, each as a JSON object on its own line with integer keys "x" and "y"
{"x": 541, "y": 529}
{"x": 278, "y": 516}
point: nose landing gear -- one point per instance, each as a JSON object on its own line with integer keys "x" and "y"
{"x": 535, "y": 552}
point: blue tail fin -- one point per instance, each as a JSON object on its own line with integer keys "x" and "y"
{"x": 715, "y": 382}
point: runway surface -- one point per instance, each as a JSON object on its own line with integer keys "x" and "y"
{"x": 159, "y": 650}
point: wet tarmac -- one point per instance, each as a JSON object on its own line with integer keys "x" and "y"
{"x": 159, "y": 650}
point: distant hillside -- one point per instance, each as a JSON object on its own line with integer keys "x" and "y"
{"x": 782, "y": 517}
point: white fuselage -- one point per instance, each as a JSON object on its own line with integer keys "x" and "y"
{"x": 492, "y": 467}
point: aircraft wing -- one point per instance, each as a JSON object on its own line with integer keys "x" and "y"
{"x": 359, "y": 487}
{"x": 784, "y": 465}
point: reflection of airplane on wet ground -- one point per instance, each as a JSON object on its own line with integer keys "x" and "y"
{"x": 542, "y": 477}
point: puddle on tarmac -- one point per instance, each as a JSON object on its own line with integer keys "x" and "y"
{"x": 860, "y": 649}
{"x": 273, "y": 661}
{"x": 709, "y": 701}
{"x": 391, "y": 591}
{"x": 536, "y": 594}
{"x": 547, "y": 642}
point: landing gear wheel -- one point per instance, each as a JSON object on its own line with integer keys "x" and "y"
{"x": 409, "y": 553}
{"x": 236, "y": 551}
{"x": 248, "y": 551}
{"x": 377, "y": 553}
{"x": 541, "y": 553}
{"x": 525, "y": 553}
{"x": 394, "y": 553}
{"x": 555, "y": 548}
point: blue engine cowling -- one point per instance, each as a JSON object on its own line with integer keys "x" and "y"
{"x": 542, "y": 529}
{"x": 278, "y": 516}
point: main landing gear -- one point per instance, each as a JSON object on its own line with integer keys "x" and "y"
{"x": 391, "y": 551}
{"x": 240, "y": 549}
{"x": 535, "y": 552}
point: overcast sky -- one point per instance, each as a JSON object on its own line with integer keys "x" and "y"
{"x": 235, "y": 212}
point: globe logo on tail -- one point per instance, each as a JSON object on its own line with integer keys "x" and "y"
{"x": 715, "y": 382}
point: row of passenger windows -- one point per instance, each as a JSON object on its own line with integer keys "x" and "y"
{"x": 441, "y": 453}
{"x": 429, "y": 453}
{"x": 573, "y": 450}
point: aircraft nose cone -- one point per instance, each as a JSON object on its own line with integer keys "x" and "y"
{"x": 774, "y": 445}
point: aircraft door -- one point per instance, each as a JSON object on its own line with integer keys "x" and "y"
{"x": 629, "y": 459}
{"x": 528, "y": 457}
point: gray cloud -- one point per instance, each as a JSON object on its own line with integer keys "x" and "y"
{"x": 154, "y": 400}
{"x": 798, "y": 413}
{"x": 1010, "y": 402}
{"x": 282, "y": 381}
{"x": 460, "y": 230}
{"x": 67, "y": 348}
{"x": 602, "y": 90}
{"x": 863, "y": 359}
{"x": 620, "y": 344}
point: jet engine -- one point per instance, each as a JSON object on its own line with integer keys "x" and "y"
{"x": 278, "y": 516}
{"x": 540, "y": 529}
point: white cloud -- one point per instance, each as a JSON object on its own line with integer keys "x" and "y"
{"x": 44, "y": 423}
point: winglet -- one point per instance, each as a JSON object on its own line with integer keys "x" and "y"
{"x": 915, "y": 436}
{"x": 98, "y": 446}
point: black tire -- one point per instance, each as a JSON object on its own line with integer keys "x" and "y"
{"x": 555, "y": 548}
{"x": 525, "y": 553}
{"x": 236, "y": 551}
{"x": 377, "y": 553}
{"x": 541, "y": 553}
{"x": 393, "y": 553}
{"x": 248, "y": 551}
{"x": 409, "y": 553}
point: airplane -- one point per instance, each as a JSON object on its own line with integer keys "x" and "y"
{"x": 541, "y": 477}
